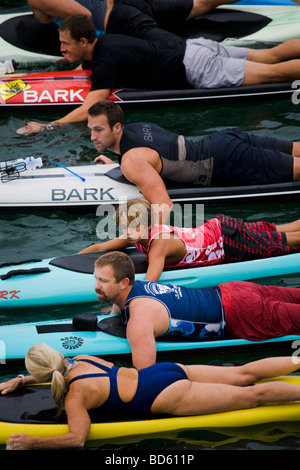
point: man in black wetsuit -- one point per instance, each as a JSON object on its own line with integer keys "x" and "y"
{"x": 226, "y": 158}
{"x": 119, "y": 61}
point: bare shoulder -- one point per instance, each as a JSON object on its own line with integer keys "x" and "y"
{"x": 147, "y": 310}
{"x": 94, "y": 359}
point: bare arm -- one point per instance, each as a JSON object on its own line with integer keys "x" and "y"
{"x": 13, "y": 384}
{"x": 81, "y": 113}
{"x": 166, "y": 249}
{"x": 157, "y": 260}
{"x": 115, "y": 244}
{"x": 147, "y": 178}
{"x": 79, "y": 426}
{"x": 148, "y": 319}
{"x": 46, "y": 11}
{"x": 142, "y": 343}
{"x": 77, "y": 115}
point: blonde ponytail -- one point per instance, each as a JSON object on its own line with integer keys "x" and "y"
{"x": 46, "y": 364}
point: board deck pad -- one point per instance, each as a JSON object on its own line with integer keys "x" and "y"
{"x": 31, "y": 410}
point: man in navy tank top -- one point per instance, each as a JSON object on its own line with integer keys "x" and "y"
{"x": 233, "y": 309}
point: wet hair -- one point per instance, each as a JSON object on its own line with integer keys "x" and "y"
{"x": 138, "y": 210}
{"x": 111, "y": 110}
{"x": 46, "y": 364}
{"x": 121, "y": 264}
{"x": 79, "y": 26}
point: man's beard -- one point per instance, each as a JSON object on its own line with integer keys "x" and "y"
{"x": 103, "y": 299}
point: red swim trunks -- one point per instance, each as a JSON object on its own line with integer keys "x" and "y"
{"x": 257, "y": 313}
{"x": 246, "y": 241}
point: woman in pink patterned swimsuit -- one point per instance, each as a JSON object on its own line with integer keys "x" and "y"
{"x": 218, "y": 240}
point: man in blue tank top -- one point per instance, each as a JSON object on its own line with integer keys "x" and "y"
{"x": 150, "y": 310}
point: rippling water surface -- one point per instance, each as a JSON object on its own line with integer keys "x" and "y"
{"x": 26, "y": 235}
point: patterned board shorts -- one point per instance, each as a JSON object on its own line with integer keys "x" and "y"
{"x": 247, "y": 241}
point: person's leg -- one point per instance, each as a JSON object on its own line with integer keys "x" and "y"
{"x": 257, "y": 312}
{"x": 258, "y": 73}
{"x": 277, "y": 64}
{"x": 246, "y": 374}
{"x": 139, "y": 18}
{"x": 286, "y": 148}
{"x": 165, "y": 12}
{"x": 293, "y": 240}
{"x": 292, "y": 231}
{"x": 285, "y": 51}
{"x": 296, "y": 149}
{"x": 296, "y": 169}
{"x": 187, "y": 397}
{"x": 244, "y": 241}
{"x": 285, "y": 295}
{"x": 289, "y": 227}
{"x": 194, "y": 398}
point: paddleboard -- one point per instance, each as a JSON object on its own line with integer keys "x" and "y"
{"x": 105, "y": 336}
{"x": 267, "y": 2}
{"x": 31, "y": 410}
{"x": 284, "y": 24}
{"x": 65, "y": 90}
{"x": 26, "y": 40}
{"x": 22, "y": 37}
{"x": 89, "y": 188}
{"x": 69, "y": 279}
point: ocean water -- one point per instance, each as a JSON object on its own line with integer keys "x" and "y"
{"x": 38, "y": 234}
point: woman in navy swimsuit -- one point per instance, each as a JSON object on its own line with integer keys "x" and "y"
{"x": 89, "y": 384}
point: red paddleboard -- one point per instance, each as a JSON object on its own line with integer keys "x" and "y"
{"x": 46, "y": 88}
{"x": 69, "y": 88}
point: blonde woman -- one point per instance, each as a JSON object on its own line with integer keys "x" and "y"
{"x": 86, "y": 382}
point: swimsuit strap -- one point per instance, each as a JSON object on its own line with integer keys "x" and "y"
{"x": 109, "y": 372}
{"x": 100, "y": 366}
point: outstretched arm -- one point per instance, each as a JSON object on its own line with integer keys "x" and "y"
{"x": 79, "y": 426}
{"x": 77, "y": 115}
{"x": 115, "y": 244}
{"x": 13, "y": 384}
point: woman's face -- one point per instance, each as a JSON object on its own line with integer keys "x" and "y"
{"x": 134, "y": 231}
